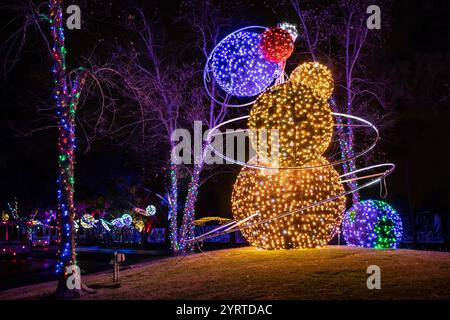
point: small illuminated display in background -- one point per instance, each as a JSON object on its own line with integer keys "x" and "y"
{"x": 105, "y": 225}
{"x": 118, "y": 223}
{"x": 272, "y": 194}
{"x": 124, "y": 221}
{"x": 87, "y": 221}
{"x": 127, "y": 220}
{"x": 372, "y": 224}
{"x": 139, "y": 225}
{"x": 239, "y": 66}
{"x": 150, "y": 210}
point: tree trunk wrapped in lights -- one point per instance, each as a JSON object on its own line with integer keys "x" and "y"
{"x": 173, "y": 207}
{"x": 187, "y": 228}
{"x": 67, "y": 96}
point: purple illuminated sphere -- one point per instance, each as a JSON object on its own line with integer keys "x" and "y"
{"x": 239, "y": 67}
{"x": 372, "y": 224}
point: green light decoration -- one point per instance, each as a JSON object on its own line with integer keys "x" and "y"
{"x": 352, "y": 215}
{"x": 385, "y": 231}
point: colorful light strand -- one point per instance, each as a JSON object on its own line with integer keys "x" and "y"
{"x": 66, "y": 108}
{"x": 173, "y": 207}
{"x": 188, "y": 228}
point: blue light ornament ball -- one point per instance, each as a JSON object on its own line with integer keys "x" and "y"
{"x": 150, "y": 210}
{"x": 127, "y": 220}
{"x": 239, "y": 67}
{"x": 372, "y": 224}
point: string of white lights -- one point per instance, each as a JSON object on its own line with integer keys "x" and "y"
{"x": 211, "y": 134}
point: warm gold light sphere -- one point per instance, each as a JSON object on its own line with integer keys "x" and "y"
{"x": 316, "y": 76}
{"x": 257, "y": 191}
{"x": 303, "y": 120}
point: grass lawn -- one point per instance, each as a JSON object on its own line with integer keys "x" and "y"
{"x": 247, "y": 273}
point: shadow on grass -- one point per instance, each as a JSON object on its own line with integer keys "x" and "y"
{"x": 75, "y": 294}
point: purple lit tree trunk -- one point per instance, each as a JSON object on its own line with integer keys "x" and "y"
{"x": 207, "y": 22}
{"x": 173, "y": 207}
{"x": 187, "y": 227}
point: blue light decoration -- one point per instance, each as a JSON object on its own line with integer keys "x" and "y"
{"x": 372, "y": 224}
{"x": 127, "y": 220}
{"x": 124, "y": 221}
{"x": 118, "y": 223}
{"x": 105, "y": 225}
{"x": 150, "y": 210}
{"x": 239, "y": 66}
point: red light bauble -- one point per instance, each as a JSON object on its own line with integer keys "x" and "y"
{"x": 276, "y": 44}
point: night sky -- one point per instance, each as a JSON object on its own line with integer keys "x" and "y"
{"x": 418, "y": 142}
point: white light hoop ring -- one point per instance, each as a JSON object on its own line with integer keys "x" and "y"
{"x": 381, "y": 176}
{"x": 261, "y": 167}
{"x": 207, "y": 70}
